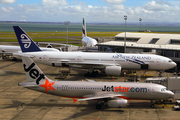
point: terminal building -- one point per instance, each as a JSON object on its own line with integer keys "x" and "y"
{"x": 161, "y": 44}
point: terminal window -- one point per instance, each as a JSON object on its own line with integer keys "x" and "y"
{"x": 154, "y": 40}
{"x": 127, "y": 39}
{"x": 174, "y": 41}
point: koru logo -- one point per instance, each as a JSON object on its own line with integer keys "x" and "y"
{"x": 25, "y": 39}
{"x": 34, "y": 73}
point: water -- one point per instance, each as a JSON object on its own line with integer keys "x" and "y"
{"x": 41, "y": 27}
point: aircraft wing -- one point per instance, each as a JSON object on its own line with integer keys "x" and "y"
{"x": 7, "y": 53}
{"x": 99, "y": 96}
{"x": 90, "y": 63}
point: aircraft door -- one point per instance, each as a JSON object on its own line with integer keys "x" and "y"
{"x": 153, "y": 92}
{"x": 158, "y": 62}
{"x": 44, "y": 58}
{"x": 129, "y": 62}
{"x": 79, "y": 59}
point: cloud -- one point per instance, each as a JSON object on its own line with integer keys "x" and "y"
{"x": 54, "y": 2}
{"x": 8, "y": 9}
{"x": 160, "y": 5}
{"x": 155, "y": 11}
{"x": 60, "y": 10}
{"x": 7, "y": 1}
{"x": 115, "y": 1}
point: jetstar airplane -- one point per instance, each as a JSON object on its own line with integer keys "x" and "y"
{"x": 112, "y": 63}
{"x": 114, "y": 94}
{"x": 87, "y": 41}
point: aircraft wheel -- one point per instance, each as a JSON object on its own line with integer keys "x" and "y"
{"x": 152, "y": 105}
{"x": 98, "y": 106}
{"x": 93, "y": 74}
{"x": 87, "y": 74}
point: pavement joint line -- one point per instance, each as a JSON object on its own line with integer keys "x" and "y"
{"x": 7, "y": 65}
{"x": 157, "y": 114}
{"x": 26, "y": 106}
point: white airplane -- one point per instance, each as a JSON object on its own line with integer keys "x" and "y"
{"x": 112, "y": 63}
{"x": 114, "y": 94}
{"x": 87, "y": 41}
{"x": 8, "y": 50}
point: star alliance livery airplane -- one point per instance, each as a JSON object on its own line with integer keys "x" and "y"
{"x": 111, "y": 63}
{"x": 8, "y": 50}
{"x": 114, "y": 94}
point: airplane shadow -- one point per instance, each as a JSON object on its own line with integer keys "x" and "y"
{"x": 7, "y": 73}
{"x": 87, "y": 108}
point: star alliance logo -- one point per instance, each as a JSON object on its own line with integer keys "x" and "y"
{"x": 25, "y": 40}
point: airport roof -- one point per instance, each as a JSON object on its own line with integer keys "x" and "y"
{"x": 133, "y": 44}
{"x": 145, "y": 38}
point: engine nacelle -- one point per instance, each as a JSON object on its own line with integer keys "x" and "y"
{"x": 49, "y": 46}
{"x": 60, "y": 65}
{"x": 113, "y": 70}
{"x": 116, "y": 103}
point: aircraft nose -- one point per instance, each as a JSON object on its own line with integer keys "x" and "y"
{"x": 171, "y": 94}
{"x": 174, "y": 64}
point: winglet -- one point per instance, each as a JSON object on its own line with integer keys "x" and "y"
{"x": 25, "y": 42}
{"x": 74, "y": 100}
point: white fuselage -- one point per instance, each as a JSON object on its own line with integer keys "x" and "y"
{"x": 7, "y": 49}
{"x": 101, "y": 60}
{"x": 125, "y": 90}
{"x": 89, "y": 42}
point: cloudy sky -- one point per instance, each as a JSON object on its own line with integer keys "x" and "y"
{"x": 101, "y": 11}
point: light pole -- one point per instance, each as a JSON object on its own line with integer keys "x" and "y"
{"x": 140, "y": 23}
{"x": 66, "y": 23}
{"x": 125, "y": 18}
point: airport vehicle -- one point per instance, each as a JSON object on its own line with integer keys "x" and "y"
{"x": 87, "y": 41}
{"x": 177, "y": 106}
{"x": 8, "y": 50}
{"x": 112, "y": 63}
{"x": 114, "y": 94}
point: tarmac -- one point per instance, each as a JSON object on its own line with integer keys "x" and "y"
{"x": 18, "y": 103}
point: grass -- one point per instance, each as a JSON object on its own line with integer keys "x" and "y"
{"x": 53, "y": 36}
{"x": 61, "y": 36}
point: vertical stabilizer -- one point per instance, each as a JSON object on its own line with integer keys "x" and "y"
{"x": 84, "y": 34}
{"x": 33, "y": 72}
{"x": 25, "y": 42}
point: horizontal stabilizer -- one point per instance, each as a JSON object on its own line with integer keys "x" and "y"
{"x": 28, "y": 84}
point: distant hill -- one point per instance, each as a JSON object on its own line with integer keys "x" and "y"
{"x": 128, "y": 23}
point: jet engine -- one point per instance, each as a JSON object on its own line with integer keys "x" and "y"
{"x": 60, "y": 65}
{"x": 116, "y": 103}
{"x": 49, "y": 46}
{"x": 113, "y": 70}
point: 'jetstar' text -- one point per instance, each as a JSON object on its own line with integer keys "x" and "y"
{"x": 124, "y": 89}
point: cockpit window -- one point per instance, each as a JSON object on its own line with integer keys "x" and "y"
{"x": 170, "y": 61}
{"x": 164, "y": 89}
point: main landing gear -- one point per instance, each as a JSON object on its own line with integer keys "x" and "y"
{"x": 92, "y": 74}
{"x": 99, "y": 104}
{"x": 152, "y": 104}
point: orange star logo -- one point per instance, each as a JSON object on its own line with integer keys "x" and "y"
{"x": 48, "y": 86}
